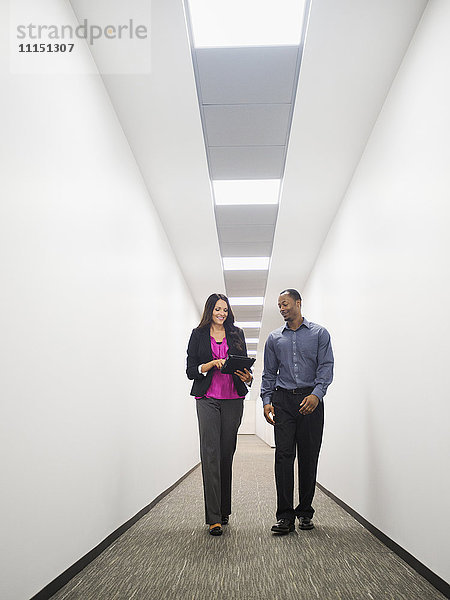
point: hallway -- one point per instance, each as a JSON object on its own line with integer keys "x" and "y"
{"x": 168, "y": 553}
{"x": 145, "y": 168}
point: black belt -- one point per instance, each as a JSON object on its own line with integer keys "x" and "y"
{"x": 297, "y": 391}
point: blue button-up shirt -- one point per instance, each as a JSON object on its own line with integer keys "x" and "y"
{"x": 297, "y": 359}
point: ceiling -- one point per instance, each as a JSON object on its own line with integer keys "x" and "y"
{"x": 160, "y": 118}
{"x": 246, "y": 98}
{"x": 352, "y": 51}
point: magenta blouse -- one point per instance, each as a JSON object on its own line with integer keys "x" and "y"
{"x": 222, "y": 386}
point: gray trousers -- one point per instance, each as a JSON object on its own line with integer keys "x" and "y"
{"x": 218, "y": 424}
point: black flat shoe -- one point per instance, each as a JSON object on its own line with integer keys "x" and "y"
{"x": 283, "y": 526}
{"x": 217, "y": 530}
{"x": 305, "y": 523}
{"x": 225, "y": 519}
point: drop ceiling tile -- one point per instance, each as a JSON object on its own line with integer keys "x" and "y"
{"x": 245, "y": 248}
{"x": 251, "y": 332}
{"x": 247, "y": 313}
{"x": 246, "y": 75}
{"x": 245, "y": 283}
{"x": 246, "y": 162}
{"x": 247, "y": 124}
{"x": 252, "y": 347}
{"x": 247, "y": 214}
{"x": 236, "y": 233}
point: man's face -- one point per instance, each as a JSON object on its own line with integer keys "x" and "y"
{"x": 289, "y": 308}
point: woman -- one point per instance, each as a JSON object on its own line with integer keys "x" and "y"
{"x": 220, "y": 403}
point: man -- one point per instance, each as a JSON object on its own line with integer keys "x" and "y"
{"x": 298, "y": 368}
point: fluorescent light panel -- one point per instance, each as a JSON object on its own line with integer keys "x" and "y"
{"x": 248, "y": 324}
{"x": 251, "y": 340}
{"x": 246, "y": 191}
{"x": 246, "y": 263}
{"x": 219, "y": 23}
{"x": 254, "y": 352}
{"x": 246, "y": 301}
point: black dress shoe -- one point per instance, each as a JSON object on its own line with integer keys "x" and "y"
{"x": 305, "y": 523}
{"x": 283, "y": 526}
{"x": 217, "y": 530}
{"x": 225, "y": 519}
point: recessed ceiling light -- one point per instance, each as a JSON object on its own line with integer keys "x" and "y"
{"x": 246, "y": 191}
{"x": 246, "y": 263}
{"x": 251, "y": 340}
{"x": 248, "y": 324}
{"x": 216, "y": 23}
{"x": 246, "y": 300}
{"x": 254, "y": 352}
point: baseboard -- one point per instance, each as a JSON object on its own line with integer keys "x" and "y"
{"x": 436, "y": 581}
{"x": 70, "y": 573}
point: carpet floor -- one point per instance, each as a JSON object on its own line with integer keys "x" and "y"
{"x": 169, "y": 554}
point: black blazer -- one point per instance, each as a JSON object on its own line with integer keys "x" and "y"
{"x": 199, "y": 352}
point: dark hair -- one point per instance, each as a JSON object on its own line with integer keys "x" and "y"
{"x": 292, "y": 293}
{"x": 230, "y": 327}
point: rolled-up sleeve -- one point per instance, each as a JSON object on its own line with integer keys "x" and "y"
{"x": 269, "y": 376}
{"x": 325, "y": 364}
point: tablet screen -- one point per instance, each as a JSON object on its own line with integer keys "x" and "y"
{"x": 237, "y": 363}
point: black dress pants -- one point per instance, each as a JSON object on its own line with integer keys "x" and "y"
{"x": 218, "y": 424}
{"x": 301, "y": 433}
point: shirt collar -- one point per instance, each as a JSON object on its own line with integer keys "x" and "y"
{"x": 306, "y": 323}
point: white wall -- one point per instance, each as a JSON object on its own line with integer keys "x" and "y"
{"x": 262, "y": 428}
{"x": 382, "y": 287}
{"x": 352, "y": 54}
{"x": 248, "y": 418}
{"x": 95, "y": 316}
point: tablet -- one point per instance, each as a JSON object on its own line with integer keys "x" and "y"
{"x": 236, "y": 363}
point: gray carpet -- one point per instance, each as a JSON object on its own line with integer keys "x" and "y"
{"x": 169, "y": 554}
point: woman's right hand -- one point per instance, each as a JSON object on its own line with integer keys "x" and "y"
{"x": 218, "y": 363}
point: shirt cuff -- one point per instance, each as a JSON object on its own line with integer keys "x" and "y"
{"x": 318, "y": 392}
{"x": 200, "y": 370}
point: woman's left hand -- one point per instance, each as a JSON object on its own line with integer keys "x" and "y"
{"x": 244, "y": 376}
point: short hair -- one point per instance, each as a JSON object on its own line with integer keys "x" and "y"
{"x": 292, "y": 293}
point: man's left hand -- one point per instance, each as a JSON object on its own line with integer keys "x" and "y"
{"x": 308, "y": 405}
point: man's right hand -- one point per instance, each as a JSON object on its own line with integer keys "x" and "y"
{"x": 268, "y": 411}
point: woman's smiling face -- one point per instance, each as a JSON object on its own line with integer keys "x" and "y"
{"x": 220, "y": 312}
